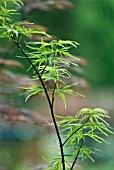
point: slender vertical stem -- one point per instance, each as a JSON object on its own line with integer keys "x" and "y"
{"x": 53, "y": 97}
{"x": 48, "y": 99}
{"x": 76, "y": 157}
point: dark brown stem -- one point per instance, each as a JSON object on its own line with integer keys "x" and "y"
{"x": 76, "y": 131}
{"x": 76, "y": 157}
{"x": 53, "y": 94}
{"x": 48, "y": 99}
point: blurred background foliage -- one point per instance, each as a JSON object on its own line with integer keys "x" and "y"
{"x": 89, "y": 22}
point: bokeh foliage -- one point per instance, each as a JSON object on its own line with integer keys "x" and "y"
{"x": 91, "y": 24}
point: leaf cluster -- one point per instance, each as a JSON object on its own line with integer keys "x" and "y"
{"x": 9, "y": 29}
{"x": 51, "y": 61}
{"x": 50, "y": 58}
{"x": 86, "y": 124}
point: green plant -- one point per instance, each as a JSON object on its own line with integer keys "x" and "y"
{"x": 49, "y": 62}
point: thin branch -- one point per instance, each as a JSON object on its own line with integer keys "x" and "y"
{"x": 43, "y": 69}
{"x": 53, "y": 94}
{"x": 76, "y": 157}
{"x": 48, "y": 99}
{"x": 76, "y": 131}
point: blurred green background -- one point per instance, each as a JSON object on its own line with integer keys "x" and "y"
{"x": 91, "y": 23}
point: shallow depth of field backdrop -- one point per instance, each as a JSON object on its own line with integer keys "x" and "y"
{"x": 91, "y": 23}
